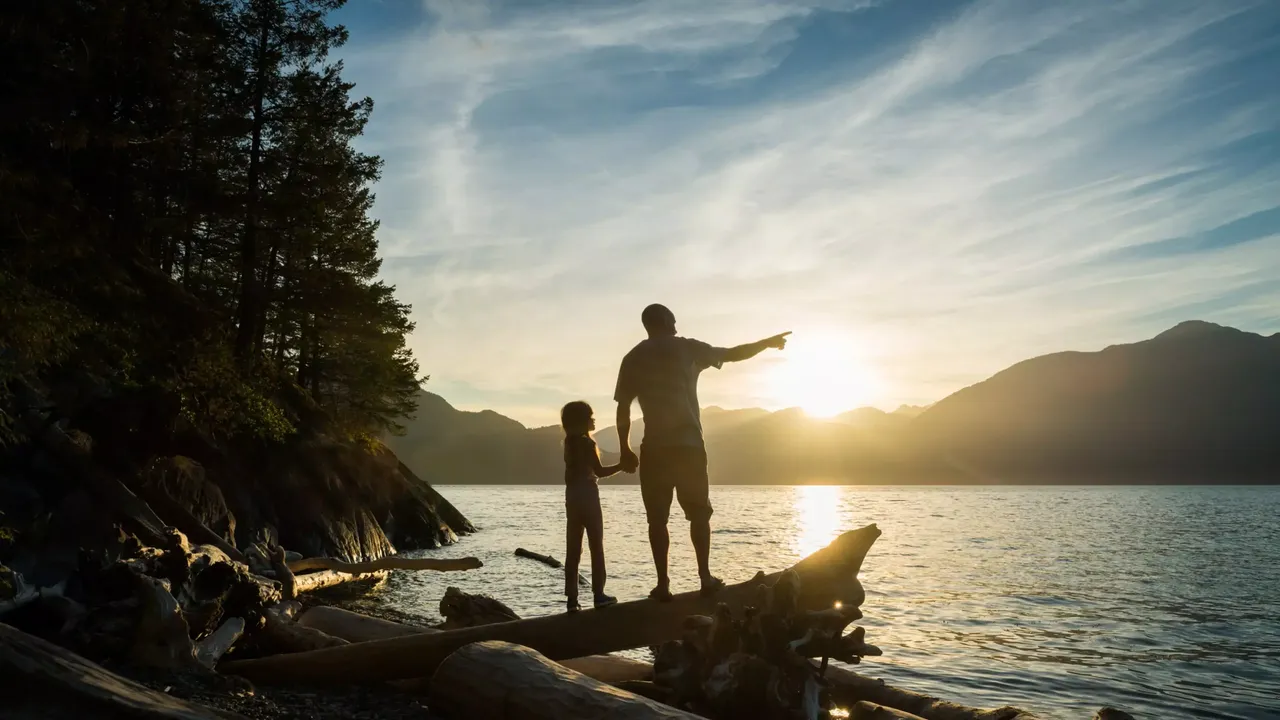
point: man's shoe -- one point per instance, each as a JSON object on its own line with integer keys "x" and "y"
{"x": 711, "y": 586}
{"x": 572, "y": 605}
{"x": 603, "y": 600}
{"x": 661, "y": 594}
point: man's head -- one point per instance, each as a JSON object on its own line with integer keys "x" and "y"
{"x": 658, "y": 320}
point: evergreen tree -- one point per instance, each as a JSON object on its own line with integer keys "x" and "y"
{"x": 183, "y": 209}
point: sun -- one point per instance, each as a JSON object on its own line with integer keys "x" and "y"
{"x": 822, "y": 374}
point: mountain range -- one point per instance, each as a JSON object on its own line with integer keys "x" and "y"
{"x": 1199, "y": 403}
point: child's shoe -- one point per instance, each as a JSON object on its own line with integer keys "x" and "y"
{"x": 572, "y": 605}
{"x": 603, "y": 600}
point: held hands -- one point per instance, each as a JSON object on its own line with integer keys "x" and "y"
{"x": 629, "y": 461}
{"x": 778, "y": 341}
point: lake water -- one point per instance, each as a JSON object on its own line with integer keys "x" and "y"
{"x": 1162, "y": 601}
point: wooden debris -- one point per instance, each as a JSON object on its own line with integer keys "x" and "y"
{"x": 354, "y": 627}
{"x": 284, "y": 575}
{"x": 38, "y": 662}
{"x": 501, "y": 681}
{"x": 544, "y": 559}
{"x": 828, "y": 576}
{"x": 162, "y": 638}
{"x": 281, "y": 634}
{"x": 391, "y": 562}
{"x": 550, "y": 561}
{"x": 309, "y": 582}
{"x": 24, "y": 594}
{"x": 756, "y": 665}
{"x": 213, "y": 647}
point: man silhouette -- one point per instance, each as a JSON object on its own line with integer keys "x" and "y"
{"x": 662, "y": 373}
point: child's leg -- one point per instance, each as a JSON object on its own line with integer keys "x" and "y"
{"x": 593, "y": 520}
{"x": 572, "y": 555}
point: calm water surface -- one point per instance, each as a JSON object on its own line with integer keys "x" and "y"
{"x": 1161, "y": 601}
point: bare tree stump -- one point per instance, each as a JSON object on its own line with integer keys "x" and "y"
{"x": 501, "y": 681}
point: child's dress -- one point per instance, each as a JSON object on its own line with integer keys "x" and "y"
{"x": 581, "y": 491}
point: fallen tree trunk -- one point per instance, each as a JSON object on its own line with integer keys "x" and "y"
{"x": 32, "y": 661}
{"x": 827, "y": 576}
{"x": 328, "y": 578}
{"x": 391, "y": 562}
{"x": 849, "y": 688}
{"x": 502, "y": 681}
{"x": 354, "y": 627}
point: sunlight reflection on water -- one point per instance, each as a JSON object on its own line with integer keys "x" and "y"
{"x": 1158, "y": 600}
{"x": 817, "y": 509}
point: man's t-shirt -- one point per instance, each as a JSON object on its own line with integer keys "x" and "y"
{"x": 662, "y": 373}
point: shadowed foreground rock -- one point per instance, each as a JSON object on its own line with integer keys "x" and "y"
{"x": 28, "y": 664}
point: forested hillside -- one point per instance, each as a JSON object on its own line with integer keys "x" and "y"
{"x": 190, "y": 265}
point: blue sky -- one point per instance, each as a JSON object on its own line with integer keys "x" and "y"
{"x": 925, "y": 192}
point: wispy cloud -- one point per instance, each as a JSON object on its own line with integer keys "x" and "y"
{"x": 953, "y": 191}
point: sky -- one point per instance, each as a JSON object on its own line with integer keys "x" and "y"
{"x": 924, "y": 192}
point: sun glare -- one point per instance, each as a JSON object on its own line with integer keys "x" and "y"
{"x": 822, "y": 375}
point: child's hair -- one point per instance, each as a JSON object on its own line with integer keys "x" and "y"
{"x": 575, "y": 415}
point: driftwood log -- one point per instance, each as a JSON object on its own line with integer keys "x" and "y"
{"x": 308, "y": 582}
{"x": 501, "y": 681}
{"x": 212, "y": 648}
{"x": 549, "y": 561}
{"x": 391, "y": 562}
{"x": 281, "y": 634}
{"x": 827, "y": 577}
{"x": 27, "y": 662}
{"x": 544, "y": 559}
{"x": 354, "y": 627}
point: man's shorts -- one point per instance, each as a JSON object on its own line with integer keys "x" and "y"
{"x": 680, "y": 469}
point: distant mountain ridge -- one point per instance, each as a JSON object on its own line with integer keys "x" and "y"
{"x": 1197, "y": 403}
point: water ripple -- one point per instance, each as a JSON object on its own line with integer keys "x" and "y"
{"x": 1161, "y": 601}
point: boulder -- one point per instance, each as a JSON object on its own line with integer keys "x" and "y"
{"x": 185, "y": 482}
